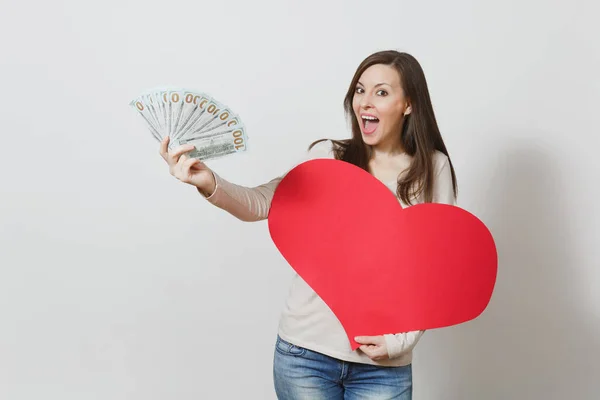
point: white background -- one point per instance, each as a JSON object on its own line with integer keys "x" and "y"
{"x": 119, "y": 282}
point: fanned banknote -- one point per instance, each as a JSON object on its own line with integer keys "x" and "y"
{"x": 189, "y": 116}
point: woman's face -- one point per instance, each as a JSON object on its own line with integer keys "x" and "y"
{"x": 379, "y": 105}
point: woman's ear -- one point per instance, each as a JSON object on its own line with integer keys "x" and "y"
{"x": 408, "y": 110}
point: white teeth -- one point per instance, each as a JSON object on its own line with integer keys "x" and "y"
{"x": 369, "y": 118}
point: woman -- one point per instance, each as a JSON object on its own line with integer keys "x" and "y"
{"x": 395, "y": 137}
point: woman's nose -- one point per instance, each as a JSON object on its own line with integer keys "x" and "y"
{"x": 365, "y": 102}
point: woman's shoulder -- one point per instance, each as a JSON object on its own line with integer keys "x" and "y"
{"x": 324, "y": 148}
{"x": 440, "y": 161}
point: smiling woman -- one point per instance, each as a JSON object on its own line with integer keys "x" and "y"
{"x": 395, "y": 137}
{"x": 380, "y": 102}
{"x": 391, "y": 115}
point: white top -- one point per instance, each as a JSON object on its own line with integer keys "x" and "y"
{"x": 306, "y": 320}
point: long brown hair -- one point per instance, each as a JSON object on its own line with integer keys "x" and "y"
{"x": 420, "y": 135}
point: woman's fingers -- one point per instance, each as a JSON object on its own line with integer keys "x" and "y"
{"x": 187, "y": 164}
{"x": 183, "y": 170}
{"x": 186, "y": 148}
{"x": 164, "y": 148}
{"x": 180, "y": 163}
{"x": 177, "y": 167}
{"x": 173, "y": 157}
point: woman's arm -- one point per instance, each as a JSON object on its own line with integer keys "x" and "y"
{"x": 400, "y": 343}
{"x": 443, "y": 191}
{"x": 253, "y": 203}
{"x": 245, "y": 203}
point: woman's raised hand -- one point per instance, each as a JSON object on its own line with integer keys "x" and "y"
{"x": 186, "y": 169}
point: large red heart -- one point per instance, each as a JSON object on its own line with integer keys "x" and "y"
{"x": 380, "y": 268}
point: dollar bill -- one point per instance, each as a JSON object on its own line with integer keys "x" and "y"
{"x": 142, "y": 107}
{"x": 192, "y": 117}
{"x": 196, "y": 114}
{"x": 228, "y": 140}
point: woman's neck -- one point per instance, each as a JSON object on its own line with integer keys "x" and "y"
{"x": 386, "y": 152}
{"x": 387, "y": 165}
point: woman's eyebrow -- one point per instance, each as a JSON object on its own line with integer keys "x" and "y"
{"x": 379, "y": 84}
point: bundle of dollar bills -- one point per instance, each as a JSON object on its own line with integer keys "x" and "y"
{"x": 193, "y": 117}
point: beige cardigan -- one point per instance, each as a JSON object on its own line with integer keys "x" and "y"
{"x": 306, "y": 320}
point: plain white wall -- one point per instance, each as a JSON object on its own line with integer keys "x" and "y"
{"x": 119, "y": 282}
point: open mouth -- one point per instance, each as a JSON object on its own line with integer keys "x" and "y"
{"x": 370, "y": 124}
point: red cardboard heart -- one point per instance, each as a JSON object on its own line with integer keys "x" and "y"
{"x": 380, "y": 268}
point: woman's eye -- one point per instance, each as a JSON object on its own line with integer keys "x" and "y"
{"x": 359, "y": 90}
{"x": 382, "y": 93}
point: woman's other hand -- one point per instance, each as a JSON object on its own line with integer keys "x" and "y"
{"x": 373, "y": 346}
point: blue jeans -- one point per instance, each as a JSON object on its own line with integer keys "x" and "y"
{"x": 302, "y": 374}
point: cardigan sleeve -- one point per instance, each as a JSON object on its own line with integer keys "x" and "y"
{"x": 253, "y": 203}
